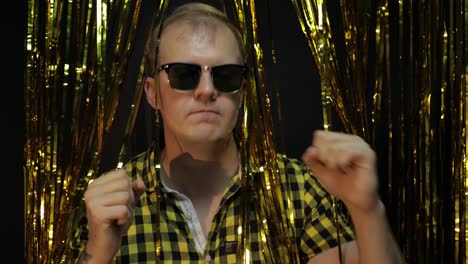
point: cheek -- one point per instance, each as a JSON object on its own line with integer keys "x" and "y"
{"x": 169, "y": 104}
{"x": 171, "y": 108}
{"x": 234, "y": 108}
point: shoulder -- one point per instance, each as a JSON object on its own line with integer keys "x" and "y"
{"x": 299, "y": 178}
{"x": 291, "y": 165}
{"x": 141, "y": 165}
{"x": 295, "y": 170}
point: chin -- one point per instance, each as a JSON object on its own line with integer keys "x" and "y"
{"x": 207, "y": 136}
{"x": 205, "y": 139}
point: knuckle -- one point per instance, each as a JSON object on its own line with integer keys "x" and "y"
{"x": 123, "y": 212}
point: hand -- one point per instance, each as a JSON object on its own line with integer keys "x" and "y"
{"x": 345, "y": 165}
{"x": 110, "y": 201}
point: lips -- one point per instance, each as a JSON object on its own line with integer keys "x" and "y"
{"x": 204, "y": 115}
{"x": 203, "y": 111}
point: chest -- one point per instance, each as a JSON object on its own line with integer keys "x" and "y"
{"x": 179, "y": 241}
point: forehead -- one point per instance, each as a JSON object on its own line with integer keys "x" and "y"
{"x": 188, "y": 30}
{"x": 199, "y": 37}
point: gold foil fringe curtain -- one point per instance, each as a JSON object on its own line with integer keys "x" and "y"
{"x": 76, "y": 52}
{"x": 395, "y": 72}
{"x": 391, "y": 74}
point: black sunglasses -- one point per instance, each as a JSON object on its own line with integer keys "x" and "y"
{"x": 226, "y": 78}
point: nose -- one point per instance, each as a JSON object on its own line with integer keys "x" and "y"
{"x": 205, "y": 89}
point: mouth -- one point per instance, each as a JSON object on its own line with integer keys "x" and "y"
{"x": 204, "y": 111}
{"x": 204, "y": 115}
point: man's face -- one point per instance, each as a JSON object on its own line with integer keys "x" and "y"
{"x": 202, "y": 115}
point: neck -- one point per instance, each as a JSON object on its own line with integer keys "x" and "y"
{"x": 222, "y": 151}
{"x": 205, "y": 168}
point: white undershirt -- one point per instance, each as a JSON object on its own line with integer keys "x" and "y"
{"x": 191, "y": 215}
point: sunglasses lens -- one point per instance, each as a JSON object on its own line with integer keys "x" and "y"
{"x": 183, "y": 77}
{"x": 228, "y": 78}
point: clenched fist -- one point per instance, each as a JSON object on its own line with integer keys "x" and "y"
{"x": 345, "y": 165}
{"x": 110, "y": 200}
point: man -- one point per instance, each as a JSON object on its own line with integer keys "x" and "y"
{"x": 183, "y": 209}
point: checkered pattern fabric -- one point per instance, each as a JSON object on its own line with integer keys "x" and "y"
{"x": 314, "y": 225}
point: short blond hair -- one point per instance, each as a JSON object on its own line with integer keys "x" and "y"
{"x": 196, "y": 14}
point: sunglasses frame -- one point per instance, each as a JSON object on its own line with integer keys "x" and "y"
{"x": 166, "y": 67}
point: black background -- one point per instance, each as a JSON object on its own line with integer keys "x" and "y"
{"x": 12, "y": 128}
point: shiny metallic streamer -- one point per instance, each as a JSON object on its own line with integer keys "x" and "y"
{"x": 343, "y": 78}
{"x": 157, "y": 20}
{"x": 67, "y": 82}
{"x": 416, "y": 70}
{"x": 261, "y": 184}
{"x": 425, "y": 85}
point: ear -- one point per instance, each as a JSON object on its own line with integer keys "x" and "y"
{"x": 150, "y": 91}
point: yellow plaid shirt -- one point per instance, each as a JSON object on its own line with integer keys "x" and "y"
{"x": 315, "y": 230}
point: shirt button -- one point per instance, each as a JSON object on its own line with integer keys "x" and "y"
{"x": 189, "y": 216}
{"x": 208, "y": 258}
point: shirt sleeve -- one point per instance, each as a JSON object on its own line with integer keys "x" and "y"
{"x": 325, "y": 224}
